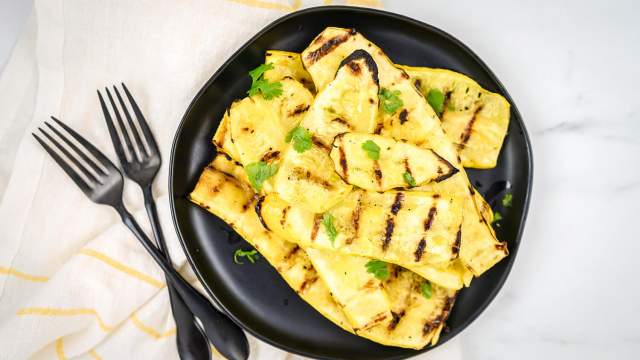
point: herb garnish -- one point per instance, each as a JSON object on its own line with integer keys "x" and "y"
{"x": 269, "y": 90}
{"x": 496, "y": 217}
{"x": 248, "y": 254}
{"x": 372, "y": 149}
{"x": 258, "y": 172}
{"x": 435, "y": 98}
{"x": 327, "y": 222}
{"x": 390, "y": 100}
{"x": 409, "y": 179}
{"x": 507, "y": 200}
{"x": 425, "y": 289}
{"x": 378, "y": 268}
{"x": 301, "y": 139}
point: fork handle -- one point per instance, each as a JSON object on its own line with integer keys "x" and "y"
{"x": 191, "y": 341}
{"x": 225, "y": 335}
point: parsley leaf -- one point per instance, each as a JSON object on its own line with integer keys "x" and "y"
{"x": 248, "y": 254}
{"x": 327, "y": 221}
{"x": 372, "y": 149}
{"x": 258, "y": 172}
{"x": 378, "y": 268}
{"x": 269, "y": 90}
{"x": 409, "y": 179}
{"x": 435, "y": 98}
{"x": 301, "y": 139}
{"x": 259, "y": 71}
{"x": 507, "y": 200}
{"x": 425, "y": 289}
{"x": 496, "y": 217}
{"x": 390, "y": 100}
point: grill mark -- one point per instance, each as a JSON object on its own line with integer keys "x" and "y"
{"x": 403, "y": 116}
{"x": 343, "y": 122}
{"x": 355, "y": 221}
{"x": 328, "y": 46}
{"x": 455, "y": 249}
{"x": 430, "y": 217}
{"x": 376, "y": 319}
{"x": 471, "y": 191}
{"x": 390, "y": 225}
{"x": 368, "y": 61}
{"x": 407, "y": 168}
{"x": 418, "y": 84}
{"x": 299, "y": 109}
{"x": 395, "y": 319}
{"x": 301, "y": 173}
{"x": 466, "y": 134}
{"x": 317, "y": 142}
{"x": 306, "y": 283}
{"x": 444, "y": 315}
{"x": 378, "y": 129}
{"x": 283, "y": 218}
{"x": 246, "y": 205}
{"x": 316, "y": 225}
{"x": 451, "y": 170}
{"x": 501, "y": 246}
{"x": 369, "y": 284}
{"x": 258, "y": 209}
{"x": 292, "y": 252}
{"x": 343, "y": 162}
{"x": 270, "y": 156}
{"x": 445, "y": 103}
{"x": 355, "y": 68}
{"x": 420, "y": 249}
{"x": 377, "y": 172}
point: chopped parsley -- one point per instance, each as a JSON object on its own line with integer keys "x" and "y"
{"x": 258, "y": 172}
{"x": 251, "y": 255}
{"x": 269, "y": 90}
{"x": 301, "y": 139}
{"x": 390, "y": 100}
{"x": 378, "y": 268}
{"x": 372, "y": 149}
{"x": 496, "y": 217}
{"x": 435, "y": 98}
{"x": 327, "y": 222}
{"x": 425, "y": 289}
{"x": 507, "y": 200}
{"x": 409, "y": 179}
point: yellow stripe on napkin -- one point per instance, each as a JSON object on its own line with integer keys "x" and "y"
{"x": 22, "y": 275}
{"x": 122, "y": 267}
{"x": 46, "y": 311}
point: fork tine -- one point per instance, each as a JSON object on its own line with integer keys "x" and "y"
{"x": 132, "y": 126}
{"x": 123, "y": 128}
{"x": 117, "y": 144}
{"x": 87, "y": 145}
{"x": 84, "y": 157}
{"x": 153, "y": 147}
{"x": 68, "y": 169}
{"x": 69, "y": 156}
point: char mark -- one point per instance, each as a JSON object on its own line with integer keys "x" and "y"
{"x": 343, "y": 162}
{"x": 299, "y": 109}
{"x": 451, "y": 170}
{"x": 445, "y": 103}
{"x": 431, "y": 325}
{"x": 395, "y": 320}
{"x": 403, "y": 116}
{"x": 316, "y": 226}
{"x": 368, "y": 60}
{"x": 388, "y": 232}
{"x": 301, "y": 173}
{"x": 417, "y": 83}
{"x": 455, "y": 249}
{"x": 355, "y": 221}
{"x": 378, "y": 129}
{"x": 343, "y": 122}
{"x": 317, "y": 142}
{"x": 377, "y": 172}
{"x": 292, "y": 252}
{"x": 430, "y": 218}
{"x": 259, "y": 212}
{"x": 306, "y": 283}
{"x": 271, "y": 155}
{"x": 466, "y": 134}
{"x": 326, "y": 47}
{"x": 397, "y": 203}
{"x": 420, "y": 249}
{"x": 283, "y": 218}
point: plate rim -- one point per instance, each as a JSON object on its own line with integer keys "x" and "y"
{"x": 395, "y": 17}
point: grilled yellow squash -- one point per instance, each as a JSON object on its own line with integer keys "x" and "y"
{"x": 233, "y": 202}
{"x": 287, "y": 65}
{"x": 258, "y": 126}
{"x": 222, "y": 137}
{"x": 349, "y": 103}
{"x": 399, "y": 165}
{"x": 398, "y": 314}
{"x": 404, "y": 228}
{"x": 479, "y": 248}
{"x": 476, "y": 120}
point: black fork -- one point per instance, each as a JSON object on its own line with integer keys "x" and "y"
{"x": 141, "y": 164}
{"x": 102, "y": 182}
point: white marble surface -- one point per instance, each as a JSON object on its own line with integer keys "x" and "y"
{"x": 572, "y": 68}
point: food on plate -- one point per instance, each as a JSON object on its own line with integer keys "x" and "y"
{"x": 346, "y": 172}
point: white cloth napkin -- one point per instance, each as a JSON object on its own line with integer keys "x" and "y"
{"x": 74, "y": 283}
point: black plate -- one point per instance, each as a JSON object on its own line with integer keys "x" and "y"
{"x": 254, "y": 295}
